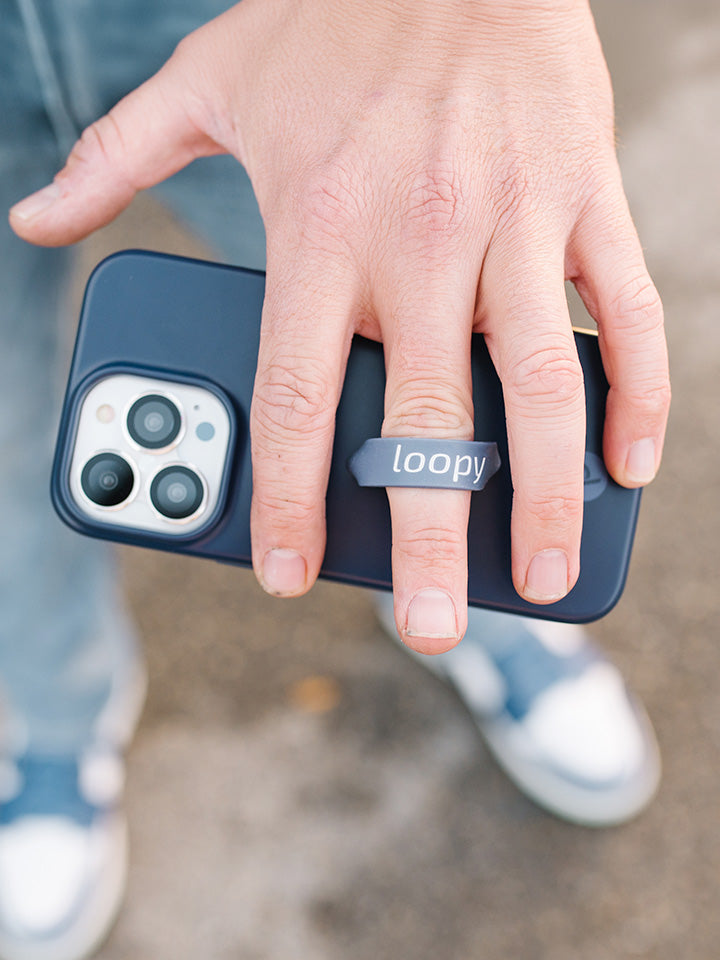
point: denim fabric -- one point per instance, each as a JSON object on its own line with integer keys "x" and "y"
{"x": 64, "y": 642}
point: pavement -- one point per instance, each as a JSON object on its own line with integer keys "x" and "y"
{"x": 299, "y": 788}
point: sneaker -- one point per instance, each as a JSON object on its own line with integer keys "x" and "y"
{"x": 63, "y": 832}
{"x": 554, "y": 712}
{"x": 63, "y": 854}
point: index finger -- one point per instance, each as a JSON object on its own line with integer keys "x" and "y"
{"x": 305, "y": 340}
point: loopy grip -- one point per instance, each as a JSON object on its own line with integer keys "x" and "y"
{"x": 424, "y": 462}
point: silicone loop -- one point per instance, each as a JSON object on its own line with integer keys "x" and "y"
{"x": 423, "y": 462}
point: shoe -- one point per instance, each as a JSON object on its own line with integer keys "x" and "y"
{"x": 554, "y": 712}
{"x": 63, "y": 854}
{"x": 63, "y": 831}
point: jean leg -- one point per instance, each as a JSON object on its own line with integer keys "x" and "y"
{"x": 65, "y": 647}
{"x": 58, "y": 654}
{"x": 64, "y": 644}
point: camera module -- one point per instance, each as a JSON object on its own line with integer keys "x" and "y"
{"x": 177, "y": 492}
{"x": 153, "y": 421}
{"x": 107, "y": 479}
{"x": 151, "y": 454}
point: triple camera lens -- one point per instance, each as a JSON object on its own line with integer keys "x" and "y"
{"x": 107, "y": 479}
{"x": 176, "y": 492}
{"x": 153, "y": 421}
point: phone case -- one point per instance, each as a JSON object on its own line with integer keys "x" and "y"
{"x": 194, "y": 321}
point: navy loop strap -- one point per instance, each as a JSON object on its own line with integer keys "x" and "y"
{"x": 423, "y": 462}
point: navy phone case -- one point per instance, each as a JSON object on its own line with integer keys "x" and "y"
{"x": 181, "y": 319}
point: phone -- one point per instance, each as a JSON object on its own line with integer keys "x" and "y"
{"x": 153, "y": 446}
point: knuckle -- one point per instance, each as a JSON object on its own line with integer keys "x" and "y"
{"x": 430, "y": 546}
{"x": 436, "y": 205}
{"x": 103, "y": 138}
{"x": 329, "y": 203}
{"x": 186, "y": 47}
{"x": 637, "y": 307}
{"x": 651, "y": 399}
{"x": 292, "y": 399}
{"x": 660, "y": 397}
{"x": 433, "y": 410}
{"x": 512, "y": 189}
{"x": 102, "y": 142}
{"x": 549, "y": 373}
{"x": 294, "y": 510}
{"x": 556, "y": 509}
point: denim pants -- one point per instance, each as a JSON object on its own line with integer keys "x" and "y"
{"x": 66, "y": 651}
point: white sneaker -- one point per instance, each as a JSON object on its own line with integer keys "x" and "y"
{"x": 554, "y": 712}
{"x": 63, "y": 833}
{"x": 63, "y": 854}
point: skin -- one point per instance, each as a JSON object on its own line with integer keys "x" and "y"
{"x": 425, "y": 169}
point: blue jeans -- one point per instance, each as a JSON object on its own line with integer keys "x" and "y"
{"x": 65, "y": 647}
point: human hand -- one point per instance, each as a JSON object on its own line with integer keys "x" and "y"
{"x": 423, "y": 170}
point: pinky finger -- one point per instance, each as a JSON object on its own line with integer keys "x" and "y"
{"x": 607, "y": 266}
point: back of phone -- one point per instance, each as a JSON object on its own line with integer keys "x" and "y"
{"x": 189, "y": 330}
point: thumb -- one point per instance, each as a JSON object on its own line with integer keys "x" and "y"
{"x": 146, "y": 137}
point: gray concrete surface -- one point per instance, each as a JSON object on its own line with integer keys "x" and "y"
{"x": 358, "y": 816}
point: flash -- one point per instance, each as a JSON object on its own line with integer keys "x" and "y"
{"x": 105, "y": 413}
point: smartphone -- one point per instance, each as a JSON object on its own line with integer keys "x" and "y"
{"x": 154, "y": 448}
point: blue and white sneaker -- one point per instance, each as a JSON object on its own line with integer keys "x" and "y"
{"x": 63, "y": 854}
{"x": 554, "y": 712}
{"x": 63, "y": 831}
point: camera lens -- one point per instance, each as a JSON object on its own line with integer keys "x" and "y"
{"x": 176, "y": 492}
{"x": 107, "y": 479}
{"x": 153, "y": 421}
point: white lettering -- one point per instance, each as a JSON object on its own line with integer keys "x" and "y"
{"x": 421, "y": 460}
{"x": 433, "y": 461}
{"x": 439, "y": 463}
{"x": 457, "y": 473}
{"x": 396, "y": 468}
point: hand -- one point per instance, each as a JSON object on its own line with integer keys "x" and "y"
{"x": 424, "y": 169}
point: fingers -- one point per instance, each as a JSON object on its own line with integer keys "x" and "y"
{"x": 525, "y": 318}
{"x": 305, "y": 341}
{"x": 609, "y": 271}
{"x": 429, "y": 394}
{"x": 145, "y": 138}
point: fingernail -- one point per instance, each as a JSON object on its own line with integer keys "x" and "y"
{"x": 284, "y": 572}
{"x": 432, "y": 614}
{"x": 37, "y": 202}
{"x": 547, "y": 576}
{"x": 640, "y": 464}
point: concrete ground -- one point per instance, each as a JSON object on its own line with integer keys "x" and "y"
{"x": 300, "y": 789}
